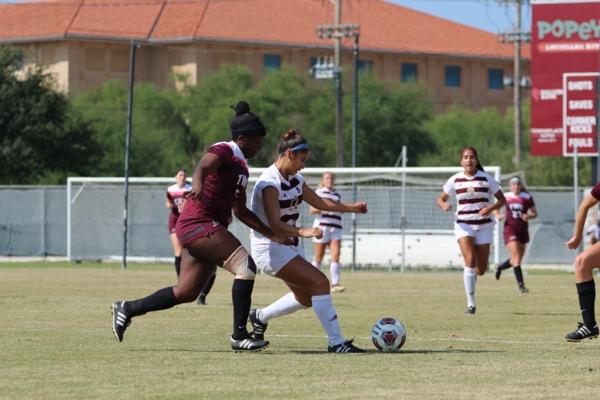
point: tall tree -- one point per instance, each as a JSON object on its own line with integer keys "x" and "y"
{"x": 41, "y": 139}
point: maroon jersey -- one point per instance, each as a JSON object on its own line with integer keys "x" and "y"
{"x": 596, "y": 191}
{"x": 221, "y": 188}
{"x": 516, "y": 207}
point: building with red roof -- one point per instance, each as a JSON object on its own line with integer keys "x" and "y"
{"x": 85, "y": 42}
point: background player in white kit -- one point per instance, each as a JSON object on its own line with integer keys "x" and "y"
{"x": 473, "y": 226}
{"x": 330, "y": 223}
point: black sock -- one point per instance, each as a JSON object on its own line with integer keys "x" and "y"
{"x": 519, "y": 275}
{"x": 587, "y": 299}
{"x": 209, "y": 284}
{"x": 160, "y": 300}
{"x": 241, "y": 295}
{"x": 504, "y": 265}
{"x": 177, "y": 265}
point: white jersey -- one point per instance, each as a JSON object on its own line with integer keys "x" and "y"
{"x": 290, "y": 198}
{"x": 328, "y": 218}
{"x": 473, "y": 193}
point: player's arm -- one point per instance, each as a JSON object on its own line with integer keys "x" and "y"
{"x": 588, "y": 202}
{"x": 208, "y": 164}
{"x": 442, "y": 201}
{"x": 531, "y": 214}
{"x": 500, "y": 202}
{"x": 248, "y": 218}
{"x": 273, "y": 210}
{"x": 324, "y": 204}
{"x": 169, "y": 202}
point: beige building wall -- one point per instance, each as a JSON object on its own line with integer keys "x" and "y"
{"x": 79, "y": 64}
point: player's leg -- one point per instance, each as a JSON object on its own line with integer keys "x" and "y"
{"x": 319, "y": 247}
{"x": 176, "y": 251}
{"x": 334, "y": 267}
{"x": 313, "y": 282}
{"x": 467, "y": 249}
{"x": 193, "y": 274}
{"x": 206, "y": 289}
{"x": 586, "y": 292}
{"x": 225, "y": 249}
{"x": 516, "y": 258}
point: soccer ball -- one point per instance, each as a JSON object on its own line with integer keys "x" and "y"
{"x": 388, "y": 335}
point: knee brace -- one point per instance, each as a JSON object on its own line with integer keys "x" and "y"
{"x": 241, "y": 264}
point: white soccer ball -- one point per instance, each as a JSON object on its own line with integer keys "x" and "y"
{"x": 388, "y": 335}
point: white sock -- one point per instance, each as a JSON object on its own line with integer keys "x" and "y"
{"x": 323, "y": 307}
{"x": 334, "y": 270}
{"x": 315, "y": 264}
{"x": 284, "y": 306}
{"x": 470, "y": 279}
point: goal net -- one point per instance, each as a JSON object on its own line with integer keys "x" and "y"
{"x": 404, "y": 228}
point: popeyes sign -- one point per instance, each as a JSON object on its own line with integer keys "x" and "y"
{"x": 565, "y": 61}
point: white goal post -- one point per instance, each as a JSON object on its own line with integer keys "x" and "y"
{"x": 404, "y": 228}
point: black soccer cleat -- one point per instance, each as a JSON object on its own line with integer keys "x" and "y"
{"x": 471, "y": 310}
{"x": 121, "y": 320}
{"x": 523, "y": 289}
{"x": 582, "y": 332}
{"x": 259, "y": 328}
{"x": 248, "y": 344}
{"x": 346, "y": 347}
{"x": 498, "y": 272}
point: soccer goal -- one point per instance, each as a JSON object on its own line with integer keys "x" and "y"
{"x": 404, "y": 228}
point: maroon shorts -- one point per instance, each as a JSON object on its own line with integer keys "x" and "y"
{"x": 511, "y": 234}
{"x": 191, "y": 229}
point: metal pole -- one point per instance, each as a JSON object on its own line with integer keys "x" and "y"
{"x": 339, "y": 122}
{"x": 354, "y": 137}
{"x": 402, "y": 208}
{"x": 127, "y": 143}
{"x": 517, "y": 88}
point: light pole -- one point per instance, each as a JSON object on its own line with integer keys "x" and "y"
{"x": 354, "y": 142}
{"x": 517, "y": 38}
{"x": 337, "y": 32}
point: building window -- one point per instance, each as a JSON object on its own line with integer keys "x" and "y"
{"x": 272, "y": 62}
{"x": 365, "y": 65}
{"x": 452, "y": 78}
{"x": 409, "y": 72}
{"x": 495, "y": 78}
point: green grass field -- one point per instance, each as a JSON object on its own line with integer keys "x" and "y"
{"x": 56, "y": 340}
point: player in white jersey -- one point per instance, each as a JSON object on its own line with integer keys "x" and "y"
{"x": 276, "y": 200}
{"x": 331, "y": 224}
{"x": 473, "y": 225}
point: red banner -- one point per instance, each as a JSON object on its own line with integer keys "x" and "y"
{"x": 565, "y": 56}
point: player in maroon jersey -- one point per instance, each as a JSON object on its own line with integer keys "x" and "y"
{"x": 584, "y": 277}
{"x": 176, "y": 198}
{"x": 520, "y": 208}
{"x": 218, "y": 187}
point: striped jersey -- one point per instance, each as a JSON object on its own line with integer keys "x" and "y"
{"x": 328, "y": 218}
{"x": 290, "y": 198}
{"x": 473, "y": 193}
{"x": 176, "y": 196}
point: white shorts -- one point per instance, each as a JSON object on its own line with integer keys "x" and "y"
{"x": 329, "y": 233}
{"x": 483, "y": 234}
{"x": 270, "y": 258}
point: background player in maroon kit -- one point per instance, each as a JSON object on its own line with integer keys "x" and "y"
{"x": 219, "y": 186}
{"x": 176, "y": 198}
{"x": 520, "y": 208}
{"x": 584, "y": 278}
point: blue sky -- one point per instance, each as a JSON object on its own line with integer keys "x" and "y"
{"x": 489, "y": 15}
